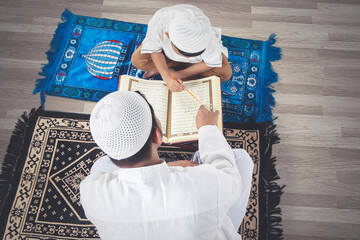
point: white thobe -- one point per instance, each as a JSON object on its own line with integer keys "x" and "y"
{"x": 162, "y": 202}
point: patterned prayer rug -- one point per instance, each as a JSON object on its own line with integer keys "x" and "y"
{"x": 51, "y": 152}
{"x": 87, "y": 55}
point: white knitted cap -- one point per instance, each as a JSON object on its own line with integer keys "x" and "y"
{"x": 190, "y": 30}
{"x": 121, "y": 123}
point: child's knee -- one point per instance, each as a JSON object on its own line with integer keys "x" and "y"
{"x": 227, "y": 73}
{"x": 142, "y": 61}
{"x": 135, "y": 60}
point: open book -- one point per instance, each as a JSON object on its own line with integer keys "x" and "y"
{"x": 177, "y": 110}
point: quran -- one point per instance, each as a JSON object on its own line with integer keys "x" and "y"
{"x": 177, "y": 110}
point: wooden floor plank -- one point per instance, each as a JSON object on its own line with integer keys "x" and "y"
{"x": 311, "y": 229}
{"x": 308, "y": 200}
{"x": 324, "y": 215}
{"x": 318, "y": 93}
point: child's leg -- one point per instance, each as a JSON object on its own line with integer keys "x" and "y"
{"x": 224, "y": 72}
{"x": 145, "y": 63}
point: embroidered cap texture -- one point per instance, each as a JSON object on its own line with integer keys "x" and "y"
{"x": 190, "y": 30}
{"x": 121, "y": 123}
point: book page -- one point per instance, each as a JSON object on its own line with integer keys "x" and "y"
{"x": 157, "y": 95}
{"x": 184, "y": 107}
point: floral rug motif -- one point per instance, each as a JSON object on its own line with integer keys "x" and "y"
{"x": 87, "y": 55}
{"x": 50, "y": 153}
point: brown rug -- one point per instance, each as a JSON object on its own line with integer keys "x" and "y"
{"x": 51, "y": 152}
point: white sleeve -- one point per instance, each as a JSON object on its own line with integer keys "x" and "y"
{"x": 152, "y": 42}
{"x": 212, "y": 55}
{"x": 215, "y": 151}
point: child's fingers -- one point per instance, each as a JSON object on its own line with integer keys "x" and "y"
{"x": 177, "y": 87}
{"x": 180, "y": 86}
{"x": 180, "y": 82}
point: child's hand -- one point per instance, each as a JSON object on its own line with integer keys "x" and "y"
{"x": 173, "y": 84}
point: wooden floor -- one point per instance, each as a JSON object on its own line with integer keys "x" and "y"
{"x": 318, "y": 93}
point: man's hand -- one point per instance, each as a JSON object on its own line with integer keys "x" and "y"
{"x": 182, "y": 163}
{"x": 206, "y": 117}
{"x": 173, "y": 84}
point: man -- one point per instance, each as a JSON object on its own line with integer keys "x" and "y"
{"x": 133, "y": 194}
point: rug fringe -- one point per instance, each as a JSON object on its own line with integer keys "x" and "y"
{"x": 272, "y": 54}
{"x": 55, "y": 45}
{"x": 13, "y": 153}
{"x": 273, "y": 191}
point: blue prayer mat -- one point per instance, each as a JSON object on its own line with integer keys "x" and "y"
{"x": 87, "y": 55}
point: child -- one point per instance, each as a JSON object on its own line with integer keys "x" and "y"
{"x": 180, "y": 43}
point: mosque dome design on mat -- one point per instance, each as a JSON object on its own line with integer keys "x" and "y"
{"x": 104, "y": 59}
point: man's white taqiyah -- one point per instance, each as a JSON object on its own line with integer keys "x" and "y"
{"x": 190, "y": 30}
{"x": 121, "y": 123}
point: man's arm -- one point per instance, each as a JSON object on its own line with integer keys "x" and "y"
{"x": 182, "y": 163}
{"x": 215, "y": 151}
{"x": 160, "y": 63}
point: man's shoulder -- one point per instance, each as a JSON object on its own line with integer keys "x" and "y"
{"x": 200, "y": 172}
{"x": 98, "y": 178}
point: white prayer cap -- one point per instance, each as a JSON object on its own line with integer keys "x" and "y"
{"x": 121, "y": 123}
{"x": 190, "y": 30}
